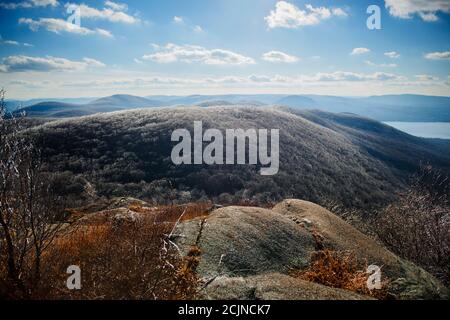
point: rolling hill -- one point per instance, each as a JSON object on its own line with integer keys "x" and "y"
{"x": 13, "y": 105}
{"x": 57, "y": 109}
{"x": 123, "y": 101}
{"x": 344, "y": 158}
{"x": 408, "y": 108}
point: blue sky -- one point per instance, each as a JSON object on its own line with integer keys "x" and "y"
{"x": 223, "y": 46}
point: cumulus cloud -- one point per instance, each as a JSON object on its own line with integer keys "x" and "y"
{"x": 116, "y": 6}
{"x": 426, "y": 9}
{"x": 94, "y": 63}
{"x": 28, "y": 4}
{"x": 353, "y": 76}
{"x": 15, "y": 43}
{"x": 190, "y": 53}
{"x": 197, "y": 29}
{"x": 382, "y": 65}
{"x": 287, "y": 15}
{"x": 178, "y": 20}
{"x": 60, "y": 25}
{"x": 339, "y": 12}
{"x": 337, "y": 76}
{"x": 438, "y": 55}
{"x": 278, "y": 56}
{"x": 358, "y": 51}
{"x": 342, "y": 81}
{"x": 260, "y": 79}
{"x": 181, "y": 21}
{"x": 20, "y": 63}
{"x": 392, "y": 54}
{"x": 109, "y": 13}
{"x": 426, "y": 77}
{"x": 11, "y": 42}
{"x": 233, "y": 81}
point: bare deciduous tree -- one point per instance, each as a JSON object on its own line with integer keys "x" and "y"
{"x": 28, "y": 211}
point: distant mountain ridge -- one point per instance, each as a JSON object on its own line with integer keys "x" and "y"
{"x": 407, "y": 107}
{"x": 57, "y": 109}
{"x": 13, "y": 105}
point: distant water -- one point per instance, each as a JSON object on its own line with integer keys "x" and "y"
{"x": 424, "y": 129}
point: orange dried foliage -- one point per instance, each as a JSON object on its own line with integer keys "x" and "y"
{"x": 134, "y": 260}
{"x": 340, "y": 269}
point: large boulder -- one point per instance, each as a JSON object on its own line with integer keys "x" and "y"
{"x": 407, "y": 280}
{"x": 273, "y": 286}
{"x": 241, "y": 245}
{"x": 241, "y": 241}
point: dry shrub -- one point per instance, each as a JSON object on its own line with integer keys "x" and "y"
{"x": 135, "y": 259}
{"x": 174, "y": 213}
{"x": 417, "y": 225}
{"x": 186, "y": 276}
{"x": 339, "y": 269}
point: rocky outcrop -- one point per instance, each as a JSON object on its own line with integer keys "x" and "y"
{"x": 247, "y": 252}
{"x": 407, "y": 281}
{"x": 242, "y": 241}
{"x": 273, "y": 286}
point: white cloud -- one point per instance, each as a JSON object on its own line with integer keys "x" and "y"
{"x": 26, "y": 63}
{"x": 178, "y": 20}
{"x": 60, "y": 25}
{"x": 392, "y": 54}
{"x": 191, "y": 53}
{"x": 109, "y": 14}
{"x": 197, "y": 29}
{"x": 69, "y": 84}
{"x": 381, "y": 65}
{"x": 104, "y": 33}
{"x": 339, "y": 12}
{"x": 15, "y": 43}
{"x": 425, "y": 9}
{"x": 278, "y": 56}
{"x": 11, "y": 42}
{"x": 28, "y": 4}
{"x": 287, "y": 15}
{"x": 428, "y": 17}
{"x": 181, "y": 21}
{"x": 353, "y": 76}
{"x": 237, "y": 81}
{"x": 94, "y": 63}
{"x": 426, "y": 77}
{"x": 116, "y": 6}
{"x": 260, "y": 79}
{"x": 358, "y": 51}
{"x": 438, "y": 55}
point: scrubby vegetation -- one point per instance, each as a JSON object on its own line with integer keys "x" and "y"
{"x": 417, "y": 226}
{"x": 346, "y": 160}
{"x": 342, "y": 270}
{"x": 132, "y": 260}
{"x": 120, "y": 257}
{"x": 29, "y": 209}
